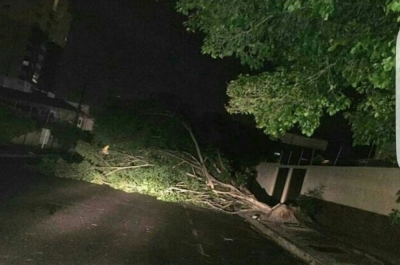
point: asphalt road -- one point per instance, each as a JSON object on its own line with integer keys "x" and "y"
{"x": 58, "y": 221}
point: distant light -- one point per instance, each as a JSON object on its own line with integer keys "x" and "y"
{"x": 277, "y": 153}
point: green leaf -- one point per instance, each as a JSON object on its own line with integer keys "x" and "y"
{"x": 321, "y": 50}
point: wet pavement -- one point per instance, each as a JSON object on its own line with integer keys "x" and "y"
{"x": 58, "y": 221}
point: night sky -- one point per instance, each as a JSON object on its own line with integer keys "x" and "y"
{"x": 140, "y": 48}
{"x": 135, "y": 48}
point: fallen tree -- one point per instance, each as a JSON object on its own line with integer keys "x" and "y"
{"x": 224, "y": 195}
{"x": 169, "y": 175}
{"x": 123, "y": 157}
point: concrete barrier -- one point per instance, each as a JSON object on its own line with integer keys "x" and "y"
{"x": 365, "y": 188}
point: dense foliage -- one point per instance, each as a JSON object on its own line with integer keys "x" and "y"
{"x": 328, "y": 56}
{"x": 144, "y": 171}
{"x": 13, "y": 124}
{"x": 141, "y": 124}
{"x": 151, "y": 152}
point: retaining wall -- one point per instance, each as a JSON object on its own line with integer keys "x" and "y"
{"x": 366, "y": 188}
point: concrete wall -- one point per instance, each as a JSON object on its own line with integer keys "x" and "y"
{"x": 33, "y": 139}
{"x": 66, "y": 115}
{"x": 266, "y": 176}
{"x": 16, "y": 84}
{"x": 365, "y": 188}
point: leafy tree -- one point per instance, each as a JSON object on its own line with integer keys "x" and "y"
{"x": 328, "y": 56}
{"x": 141, "y": 124}
{"x": 13, "y": 124}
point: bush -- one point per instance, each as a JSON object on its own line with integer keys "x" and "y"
{"x": 59, "y": 167}
{"x": 394, "y": 216}
{"x": 138, "y": 126}
{"x": 13, "y": 124}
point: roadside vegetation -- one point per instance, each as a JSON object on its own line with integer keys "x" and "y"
{"x": 143, "y": 148}
{"x": 395, "y": 214}
{"x": 13, "y": 123}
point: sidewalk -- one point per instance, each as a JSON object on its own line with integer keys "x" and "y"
{"x": 322, "y": 247}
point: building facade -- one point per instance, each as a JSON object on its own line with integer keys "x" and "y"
{"x": 51, "y": 16}
{"x": 33, "y": 34}
{"x": 27, "y": 29}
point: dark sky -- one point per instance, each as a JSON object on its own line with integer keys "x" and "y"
{"x": 137, "y": 47}
{"x": 134, "y": 48}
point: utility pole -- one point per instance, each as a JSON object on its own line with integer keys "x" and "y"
{"x": 81, "y": 97}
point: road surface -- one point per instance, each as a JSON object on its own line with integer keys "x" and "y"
{"x": 58, "y": 221}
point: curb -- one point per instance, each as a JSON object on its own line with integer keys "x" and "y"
{"x": 283, "y": 242}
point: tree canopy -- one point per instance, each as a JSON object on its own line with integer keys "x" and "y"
{"x": 327, "y": 56}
